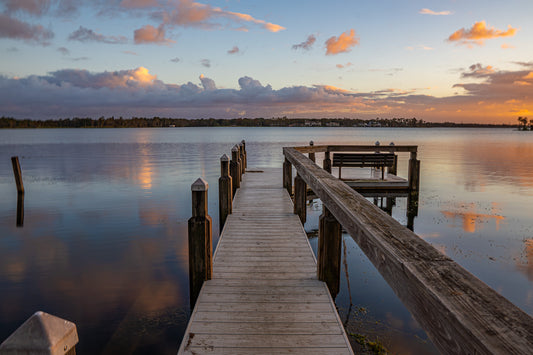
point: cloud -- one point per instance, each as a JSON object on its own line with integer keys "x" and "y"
{"x": 342, "y": 66}
{"x": 150, "y": 34}
{"x": 478, "y": 71}
{"x": 507, "y": 46}
{"x": 175, "y": 60}
{"x": 34, "y": 7}
{"x": 15, "y": 29}
{"x": 307, "y": 44}
{"x": 206, "y": 63}
{"x": 83, "y": 35}
{"x": 431, "y": 12}
{"x": 233, "y": 50}
{"x": 194, "y": 14}
{"x": 479, "y": 33}
{"x": 342, "y": 44}
{"x": 138, "y": 4}
{"x": 496, "y": 95}
{"x": 63, "y": 50}
{"x": 208, "y": 84}
{"x": 130, "y": 52}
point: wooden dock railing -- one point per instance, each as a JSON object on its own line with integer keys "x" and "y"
{"x": 460, "y": 313}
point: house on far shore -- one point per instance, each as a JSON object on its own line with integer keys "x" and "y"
{"x": 313, "y": 123}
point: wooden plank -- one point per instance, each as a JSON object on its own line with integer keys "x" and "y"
{"x": 264, "y": 296}
{"x": 459, "y": 312}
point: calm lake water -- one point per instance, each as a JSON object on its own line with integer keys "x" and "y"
{"x": 104, "y": 240}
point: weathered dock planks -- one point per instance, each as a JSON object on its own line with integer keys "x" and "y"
{"x": 264, "y": 296}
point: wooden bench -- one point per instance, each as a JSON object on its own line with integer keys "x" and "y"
{"x": 363, "y": 160}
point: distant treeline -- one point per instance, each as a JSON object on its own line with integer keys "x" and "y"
{"x": 137, "y": 122}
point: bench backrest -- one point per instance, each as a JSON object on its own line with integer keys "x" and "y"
{"x": 363, "y": 159}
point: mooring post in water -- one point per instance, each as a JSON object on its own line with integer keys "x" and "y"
{"x": 300, "y": 197}
{"x": 312, "y": 154}
{"x": 287, "y": 176}
{"x": 18, "y": 174}
{"x": 225, "y": 197}
{"x": 243, "y": 142}
{"x": 234, "y": 170}
{"x": 326, "y": 164}
{"x": 329, "y": 251}
{"x": 200, "y": 255}
{"x": 44, "y": 334}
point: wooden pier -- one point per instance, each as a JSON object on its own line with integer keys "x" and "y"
{"x": 264, "y": 296}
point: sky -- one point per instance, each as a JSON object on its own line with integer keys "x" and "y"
{"x": 457, "y": 60}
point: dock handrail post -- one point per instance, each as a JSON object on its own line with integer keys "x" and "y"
{"x": 234, "y": 169}
{"x": 18, "y": 174}
{"x": 239, "y": 160}
{"x": 312, "y": 154}
{"x": 300, "y": 197}
{"x": 329, "y": 251}
{"x": 243, "y": 142}
{"x": 414, "y": 173}
{"x": 44, "y": 334}
{"x": 225, "y": 197}
{"x": 326, "y": 164}
{"x": 200, "y": 244}
{"x": 287, "y": 176}
{"x": 243, "y": 163}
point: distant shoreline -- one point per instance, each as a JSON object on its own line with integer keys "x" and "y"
{"x": 157, "y": 122}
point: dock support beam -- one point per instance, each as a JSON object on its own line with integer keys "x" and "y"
{"x": 326, "y": 164}
{"x": 312, "y": 154}
{"x": 329, "y": 251}
{"x": 225, "y": 197}
{"x": 235, "y": 169}
{"x": 287, "y": 176}
{"x": 300, "y": 197}
{"x": 200, "y": 245}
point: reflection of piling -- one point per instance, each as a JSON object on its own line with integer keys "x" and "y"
{"x": 20, "y": 210}
{"x": 225, "y": 196}
{"x": 329, "y": 251}
{"x": 200, "y": 255}
{"x": 42, "y": 333}
{"x": 18, "y": 174}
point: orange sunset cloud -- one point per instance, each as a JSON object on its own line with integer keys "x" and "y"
{"x": 479, "y": 33}
{"x": 150, "y": 34}
{"x": 343, "y": 43}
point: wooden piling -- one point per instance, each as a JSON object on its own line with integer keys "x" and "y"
{"x": 326, "y": 164}
{"x": 243, "y": 142}
{"x": 43, "y": 334}
{"x": 241, "y": 156}
{"x": 235, "y": 169}
{"x": 300, "y": 198}
{"x": 200, "y": 247}
{"x": 287, "y": 176}
{"x": 312, "y": 154}
{"x": 414, "y": 173}
{"x": 239, "y": 161}
{"x": 225, "y": 197}
{"x": 329, "y": 251}
{"x": 18, "y": 174}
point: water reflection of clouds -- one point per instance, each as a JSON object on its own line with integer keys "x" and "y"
{"x": 470, "y": 219}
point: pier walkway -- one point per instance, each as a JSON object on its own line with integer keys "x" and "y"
{"x": 264, "y": 296}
